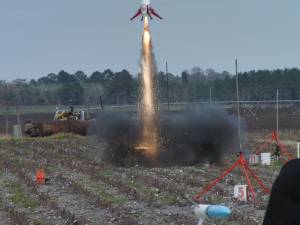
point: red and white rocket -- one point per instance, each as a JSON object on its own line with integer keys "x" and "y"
{"x": 146, "y": 11}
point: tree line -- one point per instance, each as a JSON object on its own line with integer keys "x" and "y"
{"x": 123, "y": 88}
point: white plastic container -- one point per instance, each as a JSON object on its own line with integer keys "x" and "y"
{"x": 253, "y": 159}
{"x": 17, "y": 132}
{"x": 82, "y": 115}
{"x": 265, "y": 159}
{"x": 241, "y": 192}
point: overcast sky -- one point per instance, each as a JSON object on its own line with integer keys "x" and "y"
{"x": 42, "y": 36}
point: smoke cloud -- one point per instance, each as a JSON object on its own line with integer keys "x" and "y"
{"x": 197, "y": 136}
{"x": 187, "y": 138}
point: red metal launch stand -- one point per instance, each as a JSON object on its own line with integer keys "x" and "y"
{"x": 280, "y": 147}
{"x": 241, "y": 162}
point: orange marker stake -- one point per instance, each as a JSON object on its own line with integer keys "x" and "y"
{"x": 40, "y": 176}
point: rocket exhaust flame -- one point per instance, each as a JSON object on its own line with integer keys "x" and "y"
{"x": 148, "y": 109}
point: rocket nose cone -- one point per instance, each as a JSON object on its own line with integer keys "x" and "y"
{"x": 218, "y": 212}
{"x": 146, "y": 2}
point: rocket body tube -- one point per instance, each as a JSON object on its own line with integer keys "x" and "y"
{"x": 218, "y": 212}
{"x": 203, "y": 212}
{"x": 146, "y": 10}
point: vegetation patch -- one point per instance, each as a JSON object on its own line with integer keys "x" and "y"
{"x": 41, "y": 223}
{"x": 107, "y": 197}
{"x": 52, "y": 168}
{"x": 62, "y": 136}
{"x": 5, "y": 138}
{"x": 18, "y": 196}
{"x": 163, "y": 198}
{"x": 107, "y": 173}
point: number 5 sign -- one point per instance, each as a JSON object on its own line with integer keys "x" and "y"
{"x": 241, "y": 192}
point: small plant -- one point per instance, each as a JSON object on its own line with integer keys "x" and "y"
{"x": 107, "y": 173}
{"x": 40, "y": 223}
{"x": 18, "y": 196}
{"x": 106, "y": 197}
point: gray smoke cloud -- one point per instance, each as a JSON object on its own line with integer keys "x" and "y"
{"x": 187, "y": 137}
{"x": 196, "y": 136}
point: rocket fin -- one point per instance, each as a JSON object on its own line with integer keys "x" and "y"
{"x": 152, "y": 11}
{"x": 138, "y": 13}
{"x": 149, "y": 12}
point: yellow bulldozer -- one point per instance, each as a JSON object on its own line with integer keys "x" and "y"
{"x": 63, "y": 115}
{"x": 65, "y": 121}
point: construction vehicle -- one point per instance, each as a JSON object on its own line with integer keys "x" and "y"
{"x": 65, "y": 121}
{"x": 63, "y": 115}
{"x": 36, "y": 129}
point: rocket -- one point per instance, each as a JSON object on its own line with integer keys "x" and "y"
{"x": 146, "y": 11}
{"x": 203, "y": 212}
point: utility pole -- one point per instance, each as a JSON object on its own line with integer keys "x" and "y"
{"x": 19, "y": 119}
{"x": 277, "y": 113}
{"x": 238, "y": 103}
{"x": 210, "y": 96}
{"x": 101, "y": 103}
{"x": 168, "y": 96}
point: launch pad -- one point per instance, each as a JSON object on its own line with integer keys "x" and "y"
{"x": 243, "y": 164}
{"x": 281, "y": 151}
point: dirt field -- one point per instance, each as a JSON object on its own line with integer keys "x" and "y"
{"x": 83, "y": 190}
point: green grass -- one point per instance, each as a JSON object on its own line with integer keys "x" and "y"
{"x": 107, "y": 173}
{"x": 46, "y": 109}
{"x": 52, "y": 168}
{"x": 169, "y": 200}
{"x": 60, "y": 137}
{"x": 28, "y": 110}
{"x": 107, "y": 197}
{"x": 166, "y": 199}
{"x": 18, "y": 196}
{"x": 39, "y": 222}
{"x": 276, "y": 165}
{"x": 139, "y": 186}
{"x": 42, "y": 109}
{"x": 55, "y": 137}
